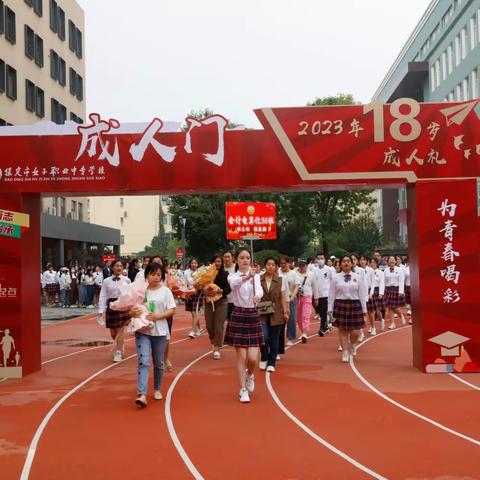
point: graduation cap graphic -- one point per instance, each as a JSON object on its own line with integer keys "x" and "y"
{"x": 450, "y": 343}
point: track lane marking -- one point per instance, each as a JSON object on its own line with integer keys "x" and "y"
{"x": 471, "y": 385}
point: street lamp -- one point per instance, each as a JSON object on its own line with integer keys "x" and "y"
{"x": 183, "y": 221}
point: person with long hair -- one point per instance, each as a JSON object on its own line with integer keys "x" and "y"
{"x": 244, "y": 331}
{"x": 292, "y": 284}
{"x": 375, "y": 298}
{"x": 152, "y": 342}
{"x": 50, "y": 282}
{"x": 216, "y": 310}
{"x": 347, "y": 302}
{"x": 304, "y": 300}
{"x": 394, "y": 291}
{"x": 64, "y": 281}
{"x": 274, "y": 291}
{"x": 193, "y": 303}
{"x": 114, "y": 320}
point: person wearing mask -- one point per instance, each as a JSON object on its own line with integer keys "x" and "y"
{"x": 215, "y": 313}
{"x": 133, "y": 269}
{"x": 375, "y": 299}
{"x": 304, "y": 299}
{"x": 229, "y": 266}
{"x": 394, "y": 291}
{"x": 49, "y": 280}
{"x": 114, "y": 320}
{"x": 193, "y": 302}
{"x": 322, "y": 276}
{"x": 347, "y": 303}
{"x": 152, "y": 342}
{"x": 64, "y": 282}
{"x": 291, "y": 281}
{"x": 275, "y": 292}
{"x": 244, "y": 330}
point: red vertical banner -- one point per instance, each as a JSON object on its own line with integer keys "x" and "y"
{"x": 446, "y": 265}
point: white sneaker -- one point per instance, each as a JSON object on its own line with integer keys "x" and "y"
{"x": 370, "y": 330}
{"x": 409, "y": 312}
{"x": 244, "y": 396}
{"x": 250, "y": 383}
{"x": 410, "y": 322}
{"x": 157, "y": 395}
{"x": 392, "y": 327}
{"x": 100, "y": 320}
{"x": 352, "y": 348}
{"x": 339, "y": 349}
{"x": 373, "y": 331}
{"x": 216, "y": 355}
{"x": 404, "y": 322}
{"x": 270, "y": 368}
{"x": 362, "y": 336}
{"x": 263, "y": 365}
{"x": 395, "y": 315}
{"x": 382, "y": 324}
{"x": 90, "y": 306}
{"x": 199, "y": 333}
{"x": 289, "y": 343}
{"x": 191, "y": 334}
{"x": 118, "y": 356}
{"x": 345, "y": 357}
{"x": 279, "y": 357}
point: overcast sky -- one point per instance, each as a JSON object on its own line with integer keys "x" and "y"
{"x": 164, "y": 58}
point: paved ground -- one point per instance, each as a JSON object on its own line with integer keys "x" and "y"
{"x": 55, "y": 314}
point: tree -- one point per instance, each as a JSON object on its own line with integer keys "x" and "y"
{"x": 159, "y": 243}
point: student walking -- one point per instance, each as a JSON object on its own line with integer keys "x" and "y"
{"x": 304, "y": 300}
{"x": 244, "y": 331}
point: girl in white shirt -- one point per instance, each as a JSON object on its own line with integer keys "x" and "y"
{"x": 394, "y": 291}
{"x": 64, "y": 281}
{"x": 375, "y": 299}
{"x": 408, "y": 298}
{"x": 244, "y": 331}
{"x": 152, "y": 342}
{"x": 347, "y": 302}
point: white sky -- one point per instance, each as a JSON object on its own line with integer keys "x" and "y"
{"x": 148, "y": 58}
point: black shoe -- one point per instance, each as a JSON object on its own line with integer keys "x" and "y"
{"x": 321, "y": 333}
{"x": 304, "y": 339}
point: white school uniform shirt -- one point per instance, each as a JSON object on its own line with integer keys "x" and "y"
{"x": 49, "y": 277}
{"x": 378, "y": 281}
{"x": 307, "y": 287}
{"x": 140, "y": 274}
{"x": 322, "y": 277}
{"x": 290, "y": 279}
{"x": 311, "y": 267}
{"x": 110, "y": 290}
{"x": 64, "y": 281}
{"x": 242, "y": 291}
{"x": 162, "y": 300}
{"x": 98, "y": 278}
{"x": 395, "y": 278}
{"x": 368, "y": 276}
{"x": 230, "y": 270}
{"x": 406, "y": 272}
{"x": 188, "y": 276}
{"x": 354, "y": 289}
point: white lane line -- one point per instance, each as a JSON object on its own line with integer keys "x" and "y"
{"x": 471, "y": 385}
{"x": 310, "y": 432}
{"x": 171, "y": 429}
{"x": 32, "y": 449}
{"x": 399, "y": 405}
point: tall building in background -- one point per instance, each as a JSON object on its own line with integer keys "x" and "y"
{"x": 440, "y": 62}
{"x": 137, "y": 218}
{"x": 42, "y": 77}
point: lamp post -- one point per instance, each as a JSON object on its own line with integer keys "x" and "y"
{"x": 183, "y": 221}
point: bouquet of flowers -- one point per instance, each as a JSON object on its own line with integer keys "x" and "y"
{"x": 132, "y": 295}
{"x": 203, "y": 280}
{"x": 177, "y": 284}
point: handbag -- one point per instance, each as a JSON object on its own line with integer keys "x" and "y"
{"x": 265, "y": 308}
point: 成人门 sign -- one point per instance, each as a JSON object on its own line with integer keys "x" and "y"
{"x": 256, "y": 220}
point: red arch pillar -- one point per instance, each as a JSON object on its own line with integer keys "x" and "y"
{"x": 443, "y": 228}
{"x": 20, "y": 289}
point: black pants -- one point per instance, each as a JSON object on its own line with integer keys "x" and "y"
{"x": 271, "y": 335}
{"x": 322, "y": 309}
{"x": 229, "y": 311}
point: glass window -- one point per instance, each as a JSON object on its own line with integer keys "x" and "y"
{"x": 61, "y": 23}
{"x": 62, "y": 72}
{"x": 465, "y": 92}
{"x": 121, "y": 202}
{"x": 474, "y": 82}
{"x": 457, "y": 50}
{"x": 73, "y": 78}
{"x": 38, "y": 7}
{"x": 38, "y": 51}
{"x": 54, "y": 65}
{"x": 78, "y": 49}
{"x": 79, "y": 88}
{"x": 463, "y": 36}
{"x": 80, "y": 212}
{"x": 71, "y": 36}
{"x": 451, "y": 97}
{"x": 432, "y": 79}
{"x": 437, "y": 73}
{"x": 444, "y": 66}
{"x": 458, "y": 93}
{"x": 53, "y": 15}
{"x": 2, "y": 17}
{"x": 29, "y": 42}
{"x": 29, "y": 96}
{"x": 11, "y": 81}
{"x": 39, "y": 103}
{"x": 473, "y": 32}
{"x": 450, "y": 59}
{"x": 10, "y": 29}
{"x": 2, "y": 76}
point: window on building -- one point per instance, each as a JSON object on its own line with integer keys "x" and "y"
{"x": 75, "y": 119}
{"x": 59, "y": 112}
{"x": 29, "y": 96}
{"x": 2, "y": 17}
{"x": 451, "y": 96}
{"x": 463, "y": 37}
{"x": 60, "y": 23}
{"x": 53, "y": 15}
{"x": 450, "y": 59}
{"x": 78, "y": 49}
{"x": 38, "y": 51}
{"x": 63, "y": 204}
{"x": 62, "y": 72}
{"x": 74, "y": 209}
{"x": 76, "y": 84}
{"x": 437, "y": 73}
{"x": 80, "y": 212}
{"x": 121, "y": 220}
{"x": 10, "y": 29}
{"x": 38, "y": 7}
{"x": 74, "y": 39}
{"x": 122, "y": 239}
{"x": 473, "y": 32}
{"x": 458, "y": 93}
{"x": 444, "y": 66}
{"x": 457, "y": 50}
{"x": 432, "y": 79}
{"x": 39, "y": 102}
{"x": 465, "y": 91}
{"x": 2, "y": 76}
{"x": 29, "y": 42}
{"x": 11, "y": 82}
{"x": 54, "y": 64}
{"x": 474, "y": 83}
{"x": 3, "y": 123}
{"x": 121, "y": 202}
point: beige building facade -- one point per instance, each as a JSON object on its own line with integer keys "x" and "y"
{"x": 137, "y": 218}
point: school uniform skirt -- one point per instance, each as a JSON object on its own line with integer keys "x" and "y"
{"x": 392, "y": 298}
{"x": 244, "y": 329}
{"x": 114, "y": 318}
{"x": 408, "y": 298}
{"x": 194, "y": 302}
{"x": 376, "y": 301}
{"x": 52, "y": 288}
{"x": 348, "y": 314}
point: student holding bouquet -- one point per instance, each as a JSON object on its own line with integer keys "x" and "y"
{"x": 192, "y": 303}
{"x": 216, "y": 306}
{"x": 244, "y": 331}
{"x": 153, "y": 341}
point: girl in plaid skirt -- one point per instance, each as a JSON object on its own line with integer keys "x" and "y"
{"x": 244, "y": 331}
{"x": 394, "y": 291}
{"x": 347, "y": 302}
{"x": 375, "y": 298}
{"x": 194, "y": 303}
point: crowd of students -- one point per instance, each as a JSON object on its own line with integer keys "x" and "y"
{"x": 260, "y": 310}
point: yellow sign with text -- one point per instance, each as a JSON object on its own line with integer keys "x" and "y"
{"x": 15, "y": 218}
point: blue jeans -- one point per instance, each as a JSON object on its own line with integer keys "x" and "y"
{"x": 64, "y": 297}
{"x": 269, "y": 351}
{"x": 292, "y": 321}
{"x": 149, "y": 346}
{"x": 82, "y": 294}
{"x": 89, "y": 299}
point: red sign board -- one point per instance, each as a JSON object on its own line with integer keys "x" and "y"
{"x": 108, "y": 258}
{"x": 251, "y": 219}
{"x": 180, "y": 253}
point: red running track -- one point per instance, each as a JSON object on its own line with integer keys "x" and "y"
{"x": 314, "y": 419}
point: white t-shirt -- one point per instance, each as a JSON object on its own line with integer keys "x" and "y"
{"x": 230, "y": 270}
{"x": 159, "y": 300}
{"x": 291, "y": 279}
{"x": 307, "y": 287}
